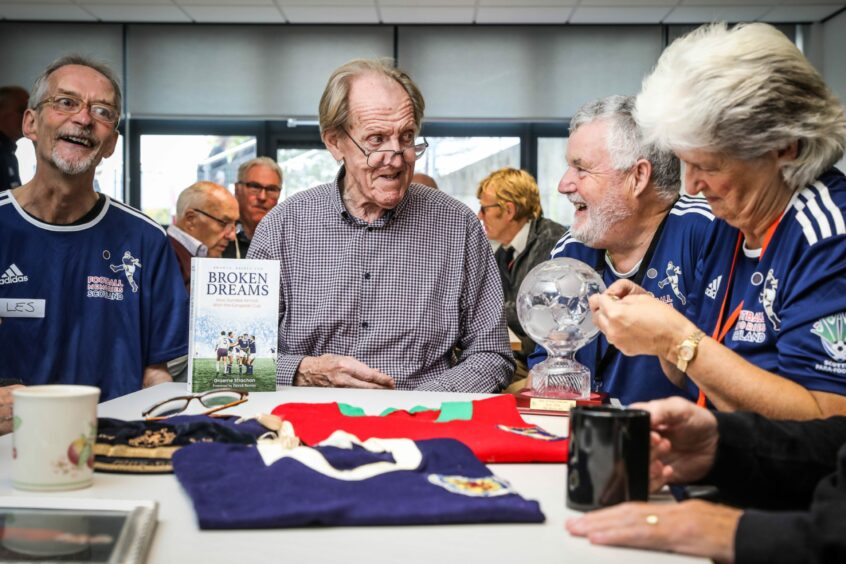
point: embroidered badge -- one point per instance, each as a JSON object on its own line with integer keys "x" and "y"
{"x": 673, "y": 273}
{"x": 489, "y": 486}
{"x": 832, "y": 333}
{"x": 767, "y": 297}
{"x": 531, "y": 432}
{"x": 128, "y": 266}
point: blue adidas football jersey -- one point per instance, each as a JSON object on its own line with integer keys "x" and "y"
{"x": 793, "y": 319}
{"x": 669, "y": 277}
{"x": 105, "y": 299}
{"x": 436, "y": 481}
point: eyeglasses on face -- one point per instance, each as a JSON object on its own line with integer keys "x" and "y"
{"x": 222, "y": 222}
{"x": 381, "y": 157}
{"x": 484, "y": 208}
{"x": 213, "y": 401}
{"x": 271, "y": 190}
{"x": 71, "y": 105}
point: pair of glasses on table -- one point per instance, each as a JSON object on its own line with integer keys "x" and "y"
{"x": 213, "y": 401}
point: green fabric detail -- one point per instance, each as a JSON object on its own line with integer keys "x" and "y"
{"x": 455, "y": 411}
{"x": 351, "y": 410}
{"x": 415, "y": 409}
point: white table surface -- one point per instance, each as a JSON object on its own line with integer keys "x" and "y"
{"x": 178, "y": 539}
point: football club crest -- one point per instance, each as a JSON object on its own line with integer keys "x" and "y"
{"x": 489, "y": 486}
{"x": 767, "y": 297}
{"x": 128, "y": 266}
{"x": 673, "y": 273}
{"x": 530, "y": 432}
{"x": 832, "y": 333}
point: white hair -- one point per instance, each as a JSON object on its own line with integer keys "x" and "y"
{"x": 742, "y": 92}
{"x": 195, "y": 196}
{"x": 625, "y": 143}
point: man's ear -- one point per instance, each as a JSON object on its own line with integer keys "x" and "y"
{"x": 788, "y": 153}
{"x": 30, "y": 124}
{"x": 510, "y": 210}
{"x": 332, "y": 140}
{"x": 641, "y": 175}
{"x": 110, "y": 145}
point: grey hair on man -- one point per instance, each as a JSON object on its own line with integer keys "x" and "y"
{"x": 39, "y": 88}
{"x": 246, "y": 166}
{"x": 625, "y": 143}
{"x": 334, "y": 110}
{"x": 743, "y": 91}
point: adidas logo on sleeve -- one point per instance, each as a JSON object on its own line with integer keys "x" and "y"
{"x": 714, "y": 287}
{"x": 13, "y": 275}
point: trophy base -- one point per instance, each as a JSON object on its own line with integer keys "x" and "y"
{"x": 531, "y": 402}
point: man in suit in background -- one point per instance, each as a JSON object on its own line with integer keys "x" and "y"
{"x": 257, "y": 191}
{"x": 510, "y": 210}
{"x": 204, "y": 225}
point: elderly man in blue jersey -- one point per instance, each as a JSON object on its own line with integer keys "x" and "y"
{"x": 97, "y": 291}
{"x": 758, "y": 131}
{"x": 630, "y": 224}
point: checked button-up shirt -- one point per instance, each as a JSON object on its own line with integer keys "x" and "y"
{"x": 400, "y": 294}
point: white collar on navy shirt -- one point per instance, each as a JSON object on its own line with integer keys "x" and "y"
{"x": 194, "y": 246}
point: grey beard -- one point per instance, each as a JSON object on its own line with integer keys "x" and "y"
{"x": 73, "y": 167}
{"x": 600, "y": 222}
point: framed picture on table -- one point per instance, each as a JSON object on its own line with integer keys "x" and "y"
{"x": 47, "y": 529}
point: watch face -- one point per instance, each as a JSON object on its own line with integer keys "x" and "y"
{"x": 686, "y": 352}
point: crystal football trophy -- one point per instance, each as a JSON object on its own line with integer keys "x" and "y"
{"x": 552, "y": 306}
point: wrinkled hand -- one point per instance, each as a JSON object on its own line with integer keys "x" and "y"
{"x": 332, "y": 370}
{"x": 692, "y": 527}
{"x": 683, "y": 443}
{"x": 637, "y": 323}
{"x": 6, "y": 408}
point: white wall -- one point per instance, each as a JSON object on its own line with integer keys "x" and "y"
{"x": 833, "y": 67}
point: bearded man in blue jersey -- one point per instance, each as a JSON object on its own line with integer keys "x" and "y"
{"x": 630, "y": 224}
{"x": 96, "y": 287}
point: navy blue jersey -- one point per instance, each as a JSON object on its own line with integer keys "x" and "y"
{"x": 669, "y": 277}
{"x": 793, "y": 319}
{"x": 112, "y": 297}
{"x": 252, "y": 346}
{"x": 391, "y": 482}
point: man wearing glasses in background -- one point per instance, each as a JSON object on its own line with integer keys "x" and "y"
{"x": 381, "y": 279}
{"x": 204, "y": 224}
{"x": 89, "y": 287}
{"x": 257, "y": 190}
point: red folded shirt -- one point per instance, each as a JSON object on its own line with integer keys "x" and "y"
{"x": 492, "y": 428}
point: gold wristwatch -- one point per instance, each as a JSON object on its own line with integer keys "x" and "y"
{"x": 686, "y": 351}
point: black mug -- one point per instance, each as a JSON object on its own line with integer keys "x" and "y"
{"x": 608, "y": 457}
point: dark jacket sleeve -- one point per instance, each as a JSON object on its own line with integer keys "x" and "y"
{"x": 768, "y": 464}
{"x": 814, "y": 536}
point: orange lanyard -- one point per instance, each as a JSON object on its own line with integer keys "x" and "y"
{"x": 721, "y": 330}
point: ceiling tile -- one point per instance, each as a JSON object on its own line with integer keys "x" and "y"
{"x": 284, "y": 3}
{"x": 52, "y": 12}
{"x": 526, "y": 15}
{"x": 427, "y": 14}
{"x": 632, "y": 3}
{"x": 428, "y": 3}
{"x": 30, "y": 2}
{"x": 703, "y": 14}
{"x": 332, "y": 14}
{"x": 138, "y": 13}
{"x": 123, "y": 2}
{"x": 235, "y": 14}
{"x": 700, "y": 3}
{"x": 533, "y": 3}
{"x": 812, "y": 13}
{"x": 227, "y": 3}
{"x": 619, "y": 15}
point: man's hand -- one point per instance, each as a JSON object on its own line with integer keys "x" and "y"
{"x": 332, "y": 370}
{"x": 6, "y": 408}
{"x": 684, "y": 441}
{"x": 156, "y": 374}
{"x": 693, "y": 527}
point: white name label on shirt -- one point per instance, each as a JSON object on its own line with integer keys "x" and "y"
{"x": 22, "y": 307}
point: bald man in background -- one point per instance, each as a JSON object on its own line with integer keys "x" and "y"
{"x": 204, "y": 225}
{"x": 13, "y": 102}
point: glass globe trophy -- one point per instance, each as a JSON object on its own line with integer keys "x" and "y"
{"x": 552, "y": 306}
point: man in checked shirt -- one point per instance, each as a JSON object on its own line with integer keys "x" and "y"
{"x": 382, "y": 280}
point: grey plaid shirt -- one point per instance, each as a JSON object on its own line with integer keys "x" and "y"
{"x": 397, "y": 294}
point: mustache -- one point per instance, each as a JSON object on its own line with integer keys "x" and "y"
{"x": 576, "y": 200}
{"x": 80, "y": 133}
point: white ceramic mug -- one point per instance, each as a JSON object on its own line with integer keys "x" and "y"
{"x": 55, "y": 428}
